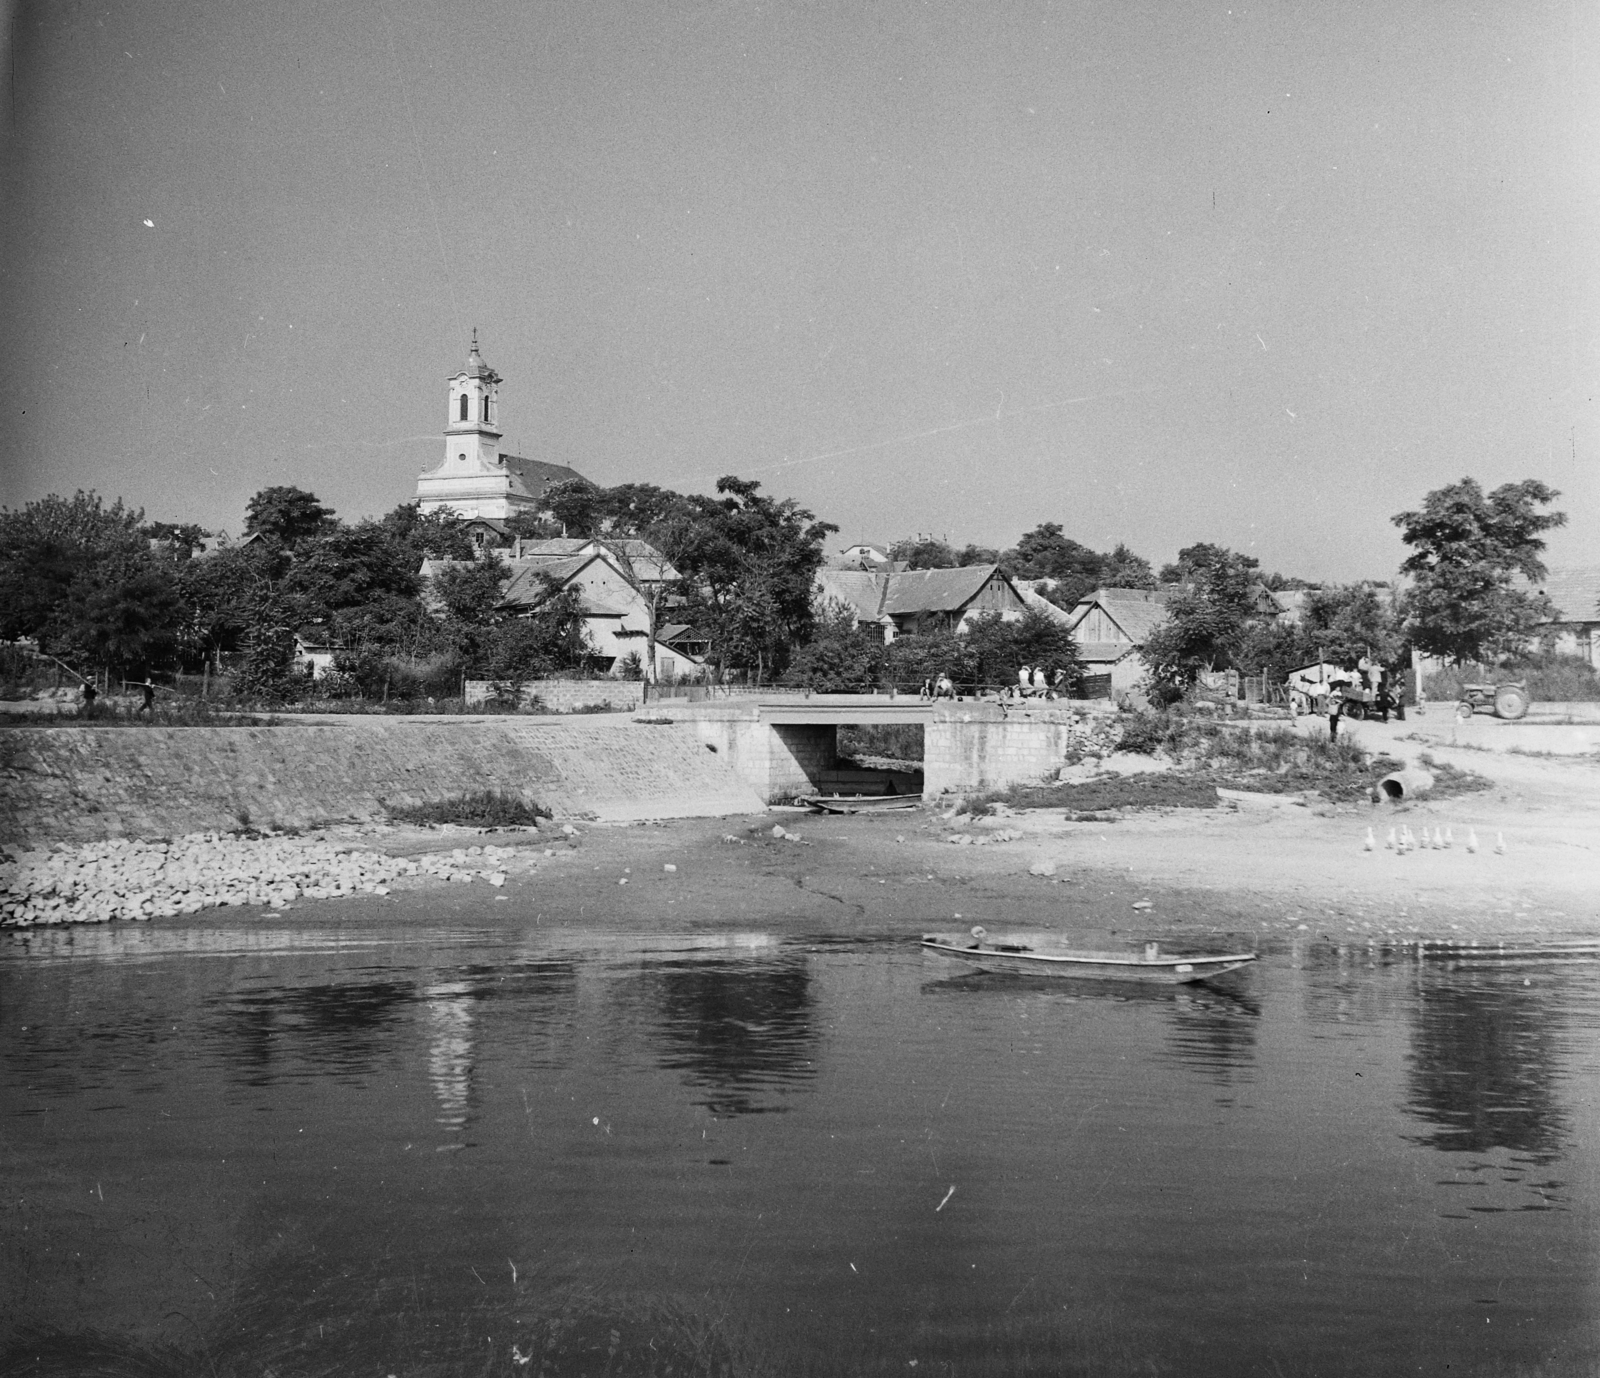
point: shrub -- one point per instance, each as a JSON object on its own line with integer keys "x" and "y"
{"x": 1144, "y": 733}
{"x": 1552, "y": 678}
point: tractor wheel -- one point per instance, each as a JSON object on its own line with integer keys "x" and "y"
{"x": 1355, "y": 711}
{"x": 1510, "y": 702}
{"x": 1465, "y": 709}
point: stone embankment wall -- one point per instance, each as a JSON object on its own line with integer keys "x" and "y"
{"x": 564, "y": 695}
{"x": 981, "y": 746}
{"x": 82, "y": 784}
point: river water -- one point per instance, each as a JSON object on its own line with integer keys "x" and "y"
{"x": 262, "y": 1148}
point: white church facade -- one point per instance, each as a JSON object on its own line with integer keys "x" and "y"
{"x": 475, "y": 478}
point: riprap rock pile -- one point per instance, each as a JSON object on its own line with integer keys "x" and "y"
{"x": 122, "y": 879}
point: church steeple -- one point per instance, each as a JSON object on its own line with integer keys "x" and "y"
{"x": 474, "y": 399}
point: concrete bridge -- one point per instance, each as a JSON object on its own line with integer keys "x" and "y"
{"x": 787, "y": 745}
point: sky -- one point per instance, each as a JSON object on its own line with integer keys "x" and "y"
{"x": 1255, "y": 274}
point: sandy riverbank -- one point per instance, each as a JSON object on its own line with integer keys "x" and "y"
{"x": 1265, "y": 870}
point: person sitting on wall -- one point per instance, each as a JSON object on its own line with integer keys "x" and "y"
{"x": 945, "y": 688}
{"x": 1041, "y": 682}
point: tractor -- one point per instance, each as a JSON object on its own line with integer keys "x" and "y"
{"x": 1509, "y": 700}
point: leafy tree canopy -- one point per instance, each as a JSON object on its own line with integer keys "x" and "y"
{"x": 438, "y": 535}
{"x": 1205, "y": 628}
{"x": 286, "y": 515}
{"x": 78, "y": 575}
{"x": 923, "y": 552}
{"x": 1466, "y": 548}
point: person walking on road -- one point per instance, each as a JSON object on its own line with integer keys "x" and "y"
{"x": 149, "y": 704}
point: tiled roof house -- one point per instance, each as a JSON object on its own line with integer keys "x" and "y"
{"x": 1576, "y": 624}
{"x": 1111, "y": 626}
{"x": 922, "y": 600}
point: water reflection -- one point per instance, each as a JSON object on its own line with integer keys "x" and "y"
{"x": 342, "y": 1027}
{"x": 1213, "y": 1031}
{"x": 1483, "y": 1065}
{"x": 742, "y": 1031}
{"x": 450, "y": 1053}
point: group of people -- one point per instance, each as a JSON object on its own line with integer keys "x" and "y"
{"x": 1033, "y": 681}
{"x": 147, "y": 692}
{"x": 1037, "y": 683}
{"x": 1368, "y": 685}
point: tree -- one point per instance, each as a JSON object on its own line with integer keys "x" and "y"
{"x": 1045, "y": 553}
{"x": 999, "y": 648}
{"x": 123, "y": 613}
{"x": 286, "y": 515}
{"x": 748, "y": 563}
{"x": 912, "y": 660}
{"x": 1205, "y": 627}
{"x": 48, "y": 546}
{"x": 470, "y": 592}
{"x": 923, "y": 552}
{"x": 1347, "y": 622}
{"x": 1122, "y": 569}
{"x": 220, "y": 590}
{"x": 841, "y": 657}
{"x": 437, "y": 535}
{"x": 551, "y": 637}
{"x": 349, "y": 566}
{"x": 1466, "y": 548}
{"x": 577, "y": 504}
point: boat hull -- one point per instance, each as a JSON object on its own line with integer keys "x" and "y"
{"x": 1021, "y": 960}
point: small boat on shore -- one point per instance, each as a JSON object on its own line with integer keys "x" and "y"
{"x": 1044, "y": 954}
{"x": 859, "y": 803}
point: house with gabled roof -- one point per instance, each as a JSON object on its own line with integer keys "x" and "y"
{"x": 1575, "y": 627}
{"x": 639, "y": 558}
{"x": 918, "y": 601}
{"x": 616, "y": 611}
{"x": 1111, "y": 626}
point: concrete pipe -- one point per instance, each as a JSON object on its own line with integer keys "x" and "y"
{"x": 1404, "y": 784}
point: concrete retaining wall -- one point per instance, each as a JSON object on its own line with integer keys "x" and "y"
{"x": 564, "y": 695}
{"x": 779, "y": 761}
{"x": 82, "y": 784}
{"x": 974, "y": 747}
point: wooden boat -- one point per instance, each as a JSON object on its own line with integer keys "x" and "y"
{"x": 860, "y": 803}
{"x": 1044, "y": 954}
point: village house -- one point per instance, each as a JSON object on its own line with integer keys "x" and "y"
{"x": 1575, "y": 627}
{"x": 1111, "y": 626}
{"x": 475, "y": 478}
{"x": 921, "y": 600}
{"x": 314, "y": 651}
{"x": 616, "y": 608}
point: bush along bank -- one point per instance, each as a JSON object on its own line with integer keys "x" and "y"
{"x": 122, "y": 879}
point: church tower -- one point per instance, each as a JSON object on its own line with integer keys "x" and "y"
{"x": 475, "y": 479}
{"x": 471, "y": 437}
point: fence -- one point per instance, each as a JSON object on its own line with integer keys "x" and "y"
{"x": 557, "y": 695}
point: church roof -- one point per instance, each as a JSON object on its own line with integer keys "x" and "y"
{"x": 535, "y": 476}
